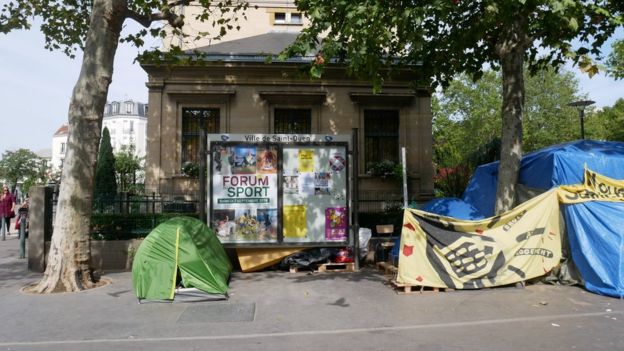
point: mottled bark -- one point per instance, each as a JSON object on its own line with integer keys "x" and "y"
{"x": 68, "y": 265}
{"x": 511, "y": 50}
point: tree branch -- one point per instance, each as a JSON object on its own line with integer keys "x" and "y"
{"x": 175, "y": 20}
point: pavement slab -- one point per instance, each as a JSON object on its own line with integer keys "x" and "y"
{"x": 276, "y": 310}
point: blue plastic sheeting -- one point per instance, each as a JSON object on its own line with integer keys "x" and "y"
{"x": 595, "y": 229}
{"x": 549, "y": 167}
{"x": 453, "y": 207}
{"x": 596, "y": 235}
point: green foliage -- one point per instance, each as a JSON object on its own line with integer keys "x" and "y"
{"x": 615, "y": 61}
{"x": 128, "y": 226}
{"x": 65, "y": 23}
{"x": 451, "y": 182}
{"x": 23, "y": 166}
{"x": 128, "y": 168}
{"x": 386, "y": 168}
{"x": 606, "y": 124}
{"x": 466, "y": 122}
{"x": 466, "y": 117}
{"x": 190, "y": 169}
{"x": 443, "y": 38}
{"x": 105, "y": 183}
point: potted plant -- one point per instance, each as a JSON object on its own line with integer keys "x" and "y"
{"x": 190, "y": 169}
{"x": 386, "y": 169}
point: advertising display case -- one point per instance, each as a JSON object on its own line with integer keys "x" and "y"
{"x": 279, "y": 189}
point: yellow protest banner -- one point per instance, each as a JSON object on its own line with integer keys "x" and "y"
{"x": 518, "y": 245}
{"x": 521, "y": 244}
{"x": 596, "y": 187}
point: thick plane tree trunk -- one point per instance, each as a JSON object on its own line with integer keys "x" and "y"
{"x": 68, "y": 265}
{"x": 511, "y": 50}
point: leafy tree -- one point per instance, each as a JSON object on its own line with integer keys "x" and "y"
{"x": 466, "y": 115}
{"x": 105, "y": 187}
{"x": 23, "y": 166}
{"x": 466, "y": 118}
{"x": 441, "y": 38}
{"x": 608, "y": 123}
{"x": 94, "y": 27}
{"x": 615, "y": 61}
{"x": 128, "y": 167}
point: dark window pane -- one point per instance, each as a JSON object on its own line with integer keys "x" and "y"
{"x": 293, "y": 121}
{"x": 381, "y": 136}
{"x": 192, "y": 121}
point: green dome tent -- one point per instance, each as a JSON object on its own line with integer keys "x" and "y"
{"x": 184, "y": 246}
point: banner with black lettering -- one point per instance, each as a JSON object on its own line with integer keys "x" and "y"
{"x": 595, "y": 187}
{"x": 444, "y": 252}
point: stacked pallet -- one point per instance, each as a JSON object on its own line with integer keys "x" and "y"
{"x": 327, "y": 267}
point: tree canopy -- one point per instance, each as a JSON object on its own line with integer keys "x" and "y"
{"x": 606, "y": 123}
{"x": 615, "y": 61}
{"x": 23, "y": 166}
{"x": 128, "y": 168}
{"x": 442, "y": 38}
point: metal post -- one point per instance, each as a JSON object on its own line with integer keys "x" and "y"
{"x": 202, "y": 174}
{"x": 580, "y": 105}
{"x": 22, "y": 233}
{"x": 355, "y": 202}
{"x": 404, "y": 171}
{"x": 582, "y": 117}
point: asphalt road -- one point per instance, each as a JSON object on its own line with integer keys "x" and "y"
{"x": 304, "y": 311}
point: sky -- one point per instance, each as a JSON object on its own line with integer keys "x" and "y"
{"x": 36, "y": 87}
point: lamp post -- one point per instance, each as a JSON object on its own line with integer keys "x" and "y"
{"x": 580, "y": 106}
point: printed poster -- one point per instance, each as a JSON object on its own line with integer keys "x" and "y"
{"x": 306, "y": 184}
{"x": 244, "y": 160}
{"x": 291, "y": 184}
{"x": 295, "y": 225}
{"x": 322, "y": 181}
{"x": 267, "y": 160}
{"x": 337, "y": 162}
{"x": 306, "y": 160}
{"x": 336, "y": 224}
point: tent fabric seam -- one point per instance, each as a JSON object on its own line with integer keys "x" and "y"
{"x": 175, "y": 271}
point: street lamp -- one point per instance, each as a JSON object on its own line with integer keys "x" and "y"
{"x": 580, "y": 106}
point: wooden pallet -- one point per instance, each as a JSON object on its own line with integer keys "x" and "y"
{"x": 387, "y": 267}
{"x": 327, "y": 267}
{"x": 412, "y": 289}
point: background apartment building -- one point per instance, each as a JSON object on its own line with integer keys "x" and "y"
{"x": 127, "y": 123}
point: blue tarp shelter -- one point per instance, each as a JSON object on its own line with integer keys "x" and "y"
{"x": 595, "y": 230}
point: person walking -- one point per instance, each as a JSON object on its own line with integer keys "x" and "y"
{"x": 7, "y": 211}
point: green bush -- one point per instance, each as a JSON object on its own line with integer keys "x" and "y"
{"x": 127, "y": 226}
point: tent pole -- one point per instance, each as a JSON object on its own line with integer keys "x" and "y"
{"x": 355, "y": 202}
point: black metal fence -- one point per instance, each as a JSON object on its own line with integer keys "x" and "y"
{"x": 127, "y": 216}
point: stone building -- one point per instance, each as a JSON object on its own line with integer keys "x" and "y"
{"x": 237, "y": 91}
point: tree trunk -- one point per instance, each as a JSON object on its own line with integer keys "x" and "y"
{"x": 511, "y": 51}
{"x": 68, "y": 265}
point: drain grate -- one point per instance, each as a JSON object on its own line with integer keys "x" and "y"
{"x": 219, "y": 313}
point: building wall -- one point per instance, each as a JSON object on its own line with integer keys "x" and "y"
{"x": 246, "y": 95}
{"x": 59, "y": 147}
{"x": 118, "y": 116}
{"x": 258, "y": 20}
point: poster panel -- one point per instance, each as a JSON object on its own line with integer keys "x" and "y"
{"x": 279, "y": 188}
{"x": 315, "y": 182}
{"x": 244, "y": 192}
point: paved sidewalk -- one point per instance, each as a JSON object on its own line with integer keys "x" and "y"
{"x": 284, "y": 311}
